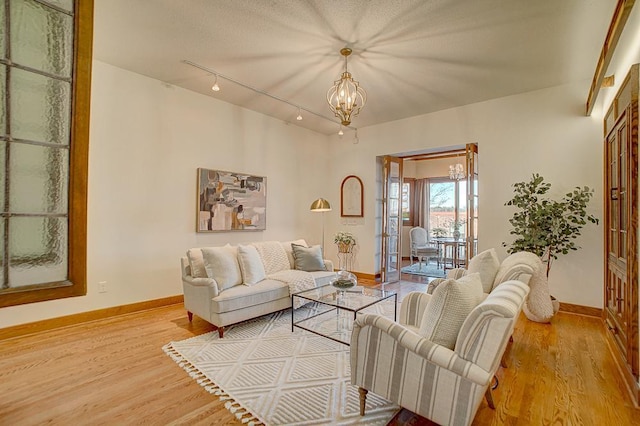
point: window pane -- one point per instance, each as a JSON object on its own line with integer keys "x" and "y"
{"x": 62, "y": 4}
{"x": 442, "y": 199}
{"x": 3, "y": 51}
{"x": 2, "y": 221}
{"x": 38, "y": 250}
{"x": 40, "y": 108}
{"x": 41, "y": 37}
{"x": 42, "y": 172}
{"x": 406, "y": 199}
{"x": 3, "y": 113}
{"x": 3, "y": 151}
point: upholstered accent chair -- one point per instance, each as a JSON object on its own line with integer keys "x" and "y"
{"x": 420, "y": 246}
{"x": 393, "y": 360}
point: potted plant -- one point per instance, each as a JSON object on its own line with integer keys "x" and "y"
{"x": 345, "y": 241}
{"x": 547, "y": 227}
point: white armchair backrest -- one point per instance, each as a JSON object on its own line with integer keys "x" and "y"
{"x": 486, "y": 331}
{"x": 418, "y": 237}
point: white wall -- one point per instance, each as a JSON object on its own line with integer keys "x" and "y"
{"x": 543, "y": 131}
{"x": 147, "y": 140}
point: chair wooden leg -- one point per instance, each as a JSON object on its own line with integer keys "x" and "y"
{"x": 489, "y": 397}
{"x": 363, "y": 399}
{"x": 190, "y": 315}
{"x": 221, "y": 332}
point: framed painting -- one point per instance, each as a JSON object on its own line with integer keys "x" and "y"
{"x": 351, "y": 197}
{"x": 231, "y": 201}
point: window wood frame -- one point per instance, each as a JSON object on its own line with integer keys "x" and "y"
{"x": 412, "y": 203}
{"x": 76, "y": 284}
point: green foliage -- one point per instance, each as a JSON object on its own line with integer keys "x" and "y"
{"x": 547, "y": 227}
{"x": 344, "y": 238}
{"x": 439, "y": 232}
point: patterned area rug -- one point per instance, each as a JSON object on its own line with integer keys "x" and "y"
{"x": 269, "y": 375}
{"x": 430, "y": 270}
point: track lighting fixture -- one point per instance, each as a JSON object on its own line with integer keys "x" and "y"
{"x": 299, "y": 117}
{"x": 215, "y": 86}
{"x": 340, "y": 133}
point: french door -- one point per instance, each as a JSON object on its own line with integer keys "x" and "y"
{"x": 391, "y": 218}
{"x": 472, "y": 200}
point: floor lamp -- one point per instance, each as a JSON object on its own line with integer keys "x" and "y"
{"x": 321, "y": 205}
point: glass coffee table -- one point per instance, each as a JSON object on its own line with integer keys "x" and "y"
{"x": 330, "y": 312}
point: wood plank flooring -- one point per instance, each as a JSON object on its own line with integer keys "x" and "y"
{"x": 113, "y": 371}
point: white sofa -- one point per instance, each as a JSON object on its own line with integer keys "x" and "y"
{"x": 230, "y": 284}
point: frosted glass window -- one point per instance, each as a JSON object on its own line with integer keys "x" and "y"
{"x": 38, "y": 250}
{"x": 41, "y": 37}
{"x": 3, "y": 94}
{"x": 3, "y": 52}
{"x": 63, "y": 4}
{"x": 42, "y": 172}
{"x": 3, "y": 175}
{"x": 40, "y": 107}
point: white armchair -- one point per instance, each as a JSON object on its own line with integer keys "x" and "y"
{"x": 420, "y": 247}
{"x": 446, "y": 386}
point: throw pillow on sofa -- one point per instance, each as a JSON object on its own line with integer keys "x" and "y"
{"x": 222, "y": 265}
{"x": 486, "y": 264}
{"x": 289, "y": 250}
{"x": 308, "y": 258}
{"x": 449, "y": 306}
{"x": 250, "y": 265}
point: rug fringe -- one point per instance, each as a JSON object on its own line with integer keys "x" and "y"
{"x": 241, "y": 413}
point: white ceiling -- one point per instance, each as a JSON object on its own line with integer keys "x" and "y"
{"x": 412, "y": 57}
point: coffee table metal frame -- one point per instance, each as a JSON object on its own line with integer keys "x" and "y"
{"x": 352, "y": 300}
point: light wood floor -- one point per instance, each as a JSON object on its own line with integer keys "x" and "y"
{"x": 114, "y": 371}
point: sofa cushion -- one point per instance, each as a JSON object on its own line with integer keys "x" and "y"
{"x": 289, "y": 250}
{"x": 274, "y": 258}
{"x": 222, "y": 265}
{"x": 308, "y": 258}
{"x": 449, "y": 306}
{"x": 243, "y": 296}
{"x": 486, "y": 264}
{"x": 196, "y": 262}
{"x": 251, "y": 265}
{"x": 514, "y": 266}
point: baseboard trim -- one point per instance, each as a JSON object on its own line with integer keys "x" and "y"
{"x": 580, "y": 310}
{"x": 627, "y": 376}
{"x": 65, "y": 321}
{"x": 364, "y": 276}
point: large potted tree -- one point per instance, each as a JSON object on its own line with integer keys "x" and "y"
{"x": 548, "y": 228}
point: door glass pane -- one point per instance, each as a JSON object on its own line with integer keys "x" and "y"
{"x": 3, "y": 151}
{"x": 40, "y": 108}
{"x": 2, "y": 222}
{"x": 442, "y": 200}
{"x": 42, "y": 172}
{"x": 3, "y": 112}
{"x": 62, "y": 4}
{"x": 41, "y": 37}
{"x": 38, "y": 250}
{"x": 3, "y": 51}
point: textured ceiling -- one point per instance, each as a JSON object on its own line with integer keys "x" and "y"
{"x": 412, "y": 57}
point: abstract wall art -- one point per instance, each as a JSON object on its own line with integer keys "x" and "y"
{"x": 231, "y": 201}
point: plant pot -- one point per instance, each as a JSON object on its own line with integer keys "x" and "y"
{"x": 344, "y": 248}
{"x": 556, "y": 305}
{"x": 456, "y": 235}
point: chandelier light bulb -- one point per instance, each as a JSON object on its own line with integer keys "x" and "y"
{"x": 215, "y": 86}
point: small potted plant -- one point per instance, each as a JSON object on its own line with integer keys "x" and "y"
{"x": 345, "y": 241}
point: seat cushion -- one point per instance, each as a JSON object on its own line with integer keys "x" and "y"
{"x": 449, "y": 306}
{"x": 486, "y": 264}
{"x": 308, "y": 258}
{"x": 243, "y": 296}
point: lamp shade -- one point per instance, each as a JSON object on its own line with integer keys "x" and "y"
{"x": 320, "y": 205}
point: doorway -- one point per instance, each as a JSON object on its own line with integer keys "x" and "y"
{"x": 443, "y": 203}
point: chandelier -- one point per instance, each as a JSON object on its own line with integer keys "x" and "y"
{"x": 346, "y": 97}
{"x": 456, "y": 171}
